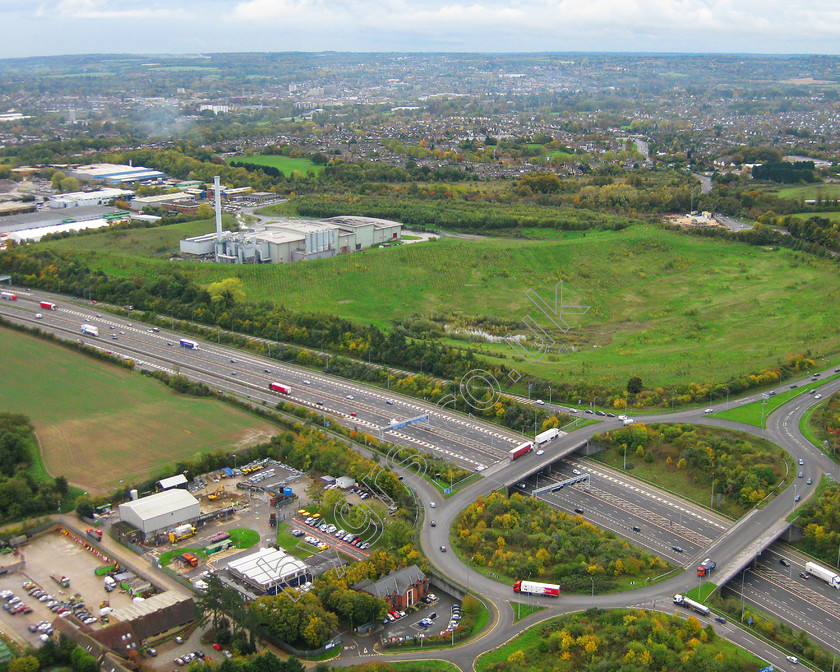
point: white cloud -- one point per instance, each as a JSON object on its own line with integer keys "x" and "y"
{"x": 103, "y": 10}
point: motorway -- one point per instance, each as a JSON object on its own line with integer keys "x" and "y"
{"x": 614, "y": 500}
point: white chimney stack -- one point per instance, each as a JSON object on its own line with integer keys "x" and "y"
{"x": 217, "y": 191}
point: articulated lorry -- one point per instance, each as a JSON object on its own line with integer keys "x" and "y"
{"x": 90, "y": 330}
{"x": 181, "y": 532}
{"x": 827, "y": 575}
{"x": 536, "y": 588}
{"x": 546, "y": 436}
{"x": 688, "y": 603}
{"x": 520, "y": 450}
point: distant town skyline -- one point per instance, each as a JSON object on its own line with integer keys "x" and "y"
{"x": 52, "y": 27}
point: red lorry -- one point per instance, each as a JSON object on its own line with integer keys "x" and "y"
{"x": 536, "y": 588}
{"x": 519, "y": 451}
{"x": 277, "y": 387}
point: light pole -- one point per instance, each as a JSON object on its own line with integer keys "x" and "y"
{"x": 549, "y": 394}
{"x": 625, "y": 457}
{"x": 593, "y": 588}
{"x": 712, "y": 502}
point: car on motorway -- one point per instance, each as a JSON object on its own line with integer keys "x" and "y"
{"x": 433, "y": 524}
{"x": 350, "y": 397}
{"x": 809, "y": 481}
{"x": 307, "y": 382}
{"x": 720, "y": 619}
{"x": 319, "y": 403}
{"x": 432, "y": 504}
{"x": 811, "y": 391}
{"x": 709, "y": 410}
{"x": 540, "y": 452}
{"x": 793, "y": 387}
{"x": 678, "y": 549}
{"x": 801, "y": 461}
{"x": 389, "y": 402}
{"x": 540, "y": 402}
{"x": 797, "y": 498}
{"x": 38, "y": 316}
{"x": 804, "y": 575}
{"x": 443, "y": 549}
{"x": 636, "y": 528}
{"x": 793, "y": 660}
{"x": 352, "y": 414}
{"x": 579, "y": 511}
{"x": 576, "y": 472}
{"x": 600, "y": 413}
{"x": 817, "y": 396}
{"x": 114, "y": 336}
{"x": 784, "y": 562}
{"x": 801, "y": 474}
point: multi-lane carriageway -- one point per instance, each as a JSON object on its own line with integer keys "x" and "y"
{"x": 613, "y": 500}
{"x": 474, "y": 444}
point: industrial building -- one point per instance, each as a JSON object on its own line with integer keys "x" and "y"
{"x": 161, "y": 512}
{"x": 112, "y": 173}
{"x": 268, "y": 571}
{"x": 289, "y": 240}
{"x": 83, "y": 199}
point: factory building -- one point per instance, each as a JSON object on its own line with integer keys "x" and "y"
{"x": 111, "y": 173}
{"x": 84, "y": 199}
{"x": 158, "y": 513}
{"x": 268, "y": 571}
{"x": 290, "y": 240}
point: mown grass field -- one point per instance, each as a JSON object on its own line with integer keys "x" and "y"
{"x": 286, "y": 164}
{"x": 665, "y": 306}
{"x": 98, "y": 424}
{"x": 830, "y": 216}
{"x": 810, "y": 191}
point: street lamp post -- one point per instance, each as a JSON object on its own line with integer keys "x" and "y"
{"x": 549, "y": 394}
{"x": 593, "y": 588}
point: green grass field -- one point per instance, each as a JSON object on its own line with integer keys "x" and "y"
{"x": 668, "y": 307}
{"x": 286, "y": 164}
{"x": 244, "y": 538}
{"x": 98, "y": 424}
{"x": 752, "y": 414}
{"x": 810, "y": 191}
{"x": 831, "y": 216}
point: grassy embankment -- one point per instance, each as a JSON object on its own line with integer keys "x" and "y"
{"x": 658, "y": 309}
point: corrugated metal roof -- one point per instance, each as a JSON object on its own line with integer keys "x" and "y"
{"x": 155, "y": 603}
{"x": 172, "y": 482}
{"x": 163, "y": 502}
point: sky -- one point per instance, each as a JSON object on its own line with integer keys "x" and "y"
{"x": 50, "y": 27}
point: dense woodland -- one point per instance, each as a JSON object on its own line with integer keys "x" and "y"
{"x": 819, "y": 518}
{"x": 621, "y": 641}
{"x": 523, "y": 538}
{"x": 744, "y": 468}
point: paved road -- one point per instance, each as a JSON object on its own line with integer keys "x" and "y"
{"x": 246, "y": 378}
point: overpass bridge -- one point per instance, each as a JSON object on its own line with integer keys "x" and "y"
{"x": 544, "y": 462}
{"x": 741, "y": 561}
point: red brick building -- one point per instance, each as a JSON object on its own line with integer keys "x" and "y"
{"x": 400, "y": 589}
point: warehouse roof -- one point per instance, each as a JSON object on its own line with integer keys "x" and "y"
{"x": 161, "y": 503}
{"x": 267, "y": 567}
{"x": 151, "y": 605}
{"x": 172, "y": 482}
